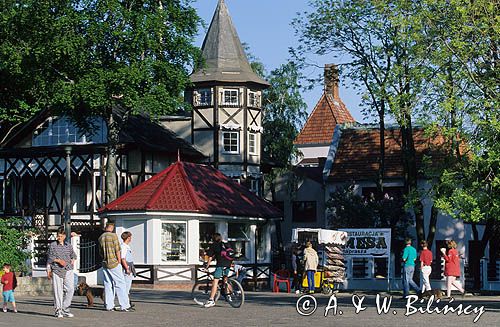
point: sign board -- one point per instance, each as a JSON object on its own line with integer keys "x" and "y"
{"x": 368, "y": 242}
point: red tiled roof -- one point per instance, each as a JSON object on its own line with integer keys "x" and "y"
{"x": 189, "y": 187}
{"x": 358, "y": 151}
{"x": 327, "y": 114}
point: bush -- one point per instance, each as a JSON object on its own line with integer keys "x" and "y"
{"x": 13, "y": 240}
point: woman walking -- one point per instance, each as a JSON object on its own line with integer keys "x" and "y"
{"x": 451, "y": 267}
{"x": 310, "y": 265}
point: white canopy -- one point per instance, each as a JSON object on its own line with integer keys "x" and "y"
{"x": 325, "y": 236}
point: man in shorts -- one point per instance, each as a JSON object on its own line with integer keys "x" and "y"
{"x": 222, "y": 266}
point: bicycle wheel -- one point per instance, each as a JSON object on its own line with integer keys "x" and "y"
{"x": 235, "y": 295}
{"x": 201, "y": 292}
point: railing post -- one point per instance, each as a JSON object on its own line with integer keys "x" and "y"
{"x": 484, "y": 273}
{"x": 75, "y": 243}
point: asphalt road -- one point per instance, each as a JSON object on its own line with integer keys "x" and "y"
{"x": 175, "y": 308}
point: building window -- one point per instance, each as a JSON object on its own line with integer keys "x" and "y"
{"x": 254, "y": 186}
{"x": 58, "y": 131}
{"x": 262, "y": 242}
{"x": 207, "y": 230}
{"x": 304, "y": 211}
{"x": 231, "y": 97}
{"x": 203, "y": 97}
{"x": 359, "y": 268}
{"x": 253, "y": 99}
{"x": 230, "y": 141}
{"x": 238, "y": 236}
{"x": 173, "y": 242}
{"x": 252, "y": 143}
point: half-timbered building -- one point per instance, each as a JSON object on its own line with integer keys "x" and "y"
{"x": 50, "y": 168}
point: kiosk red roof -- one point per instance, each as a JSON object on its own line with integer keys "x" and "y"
{"x": 189, "y": 187}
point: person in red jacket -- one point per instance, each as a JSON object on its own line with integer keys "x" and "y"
{"x": 425, "y": 266}
{"x": 9, "y": 283}
{"x": 451, "y": 267}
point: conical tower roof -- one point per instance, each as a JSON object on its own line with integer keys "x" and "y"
{"x": 225, "y": 59}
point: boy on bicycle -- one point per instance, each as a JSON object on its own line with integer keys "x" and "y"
{"x": 222, "y": 266}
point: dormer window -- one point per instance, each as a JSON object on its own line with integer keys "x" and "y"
{"x": 61, "y": 131}
{"x": 230, "y": 97}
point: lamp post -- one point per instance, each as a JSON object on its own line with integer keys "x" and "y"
{"x": 67, "y": 194}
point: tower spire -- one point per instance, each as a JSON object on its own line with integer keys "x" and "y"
{"x": 225, "y": 58}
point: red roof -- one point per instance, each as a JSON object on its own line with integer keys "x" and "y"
{"x": 319, "y": 128}
{"x": 356, "y": 157}
{"x": 189, "y": 187}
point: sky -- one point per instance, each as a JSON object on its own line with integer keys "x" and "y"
{"x": 265, "y": 26}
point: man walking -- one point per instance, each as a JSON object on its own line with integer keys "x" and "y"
{"x": 114, "y": 280}
{"x": 60, "y": 260}
{"x": 409, "y": 257}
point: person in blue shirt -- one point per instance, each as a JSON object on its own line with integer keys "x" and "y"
{"x": 409, "y": 257}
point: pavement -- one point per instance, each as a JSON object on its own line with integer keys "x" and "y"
{"x": 176, "y": 308}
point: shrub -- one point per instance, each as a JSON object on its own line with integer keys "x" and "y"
{"x": 13, "y": 240}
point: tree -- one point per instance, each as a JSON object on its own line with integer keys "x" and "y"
{"x": 134, "y": 56}
{"x": 466, "y": 38}
{"x": 284, "y": 113}
{"x": 380, "y": 38}
{"x": 346, "y": 209}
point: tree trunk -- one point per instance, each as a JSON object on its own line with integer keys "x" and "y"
{"x": 111, "y": 160}
{"x": 432, "y": 226}
{"x": 411, "y": 173}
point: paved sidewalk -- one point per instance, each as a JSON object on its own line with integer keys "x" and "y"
{"x": 175, "y": 308}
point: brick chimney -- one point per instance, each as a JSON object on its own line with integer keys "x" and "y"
{"x": 332, "y": 80}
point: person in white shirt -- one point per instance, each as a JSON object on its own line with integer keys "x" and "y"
{"x": 127, "y": 260}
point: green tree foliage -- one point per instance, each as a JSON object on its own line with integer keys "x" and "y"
{"x": 13, "y": 239}
{"x": 284, "y": 113}
{"x": 346, "y": 209}
{"x": 87, "y": 58}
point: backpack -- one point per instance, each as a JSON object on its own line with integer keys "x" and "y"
{"x": 14, "y": 281}
{"x": 227, "y": 252}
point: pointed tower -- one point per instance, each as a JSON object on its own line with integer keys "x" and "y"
{"x": 315, "y": 138}
{"x": 226, "y": 99}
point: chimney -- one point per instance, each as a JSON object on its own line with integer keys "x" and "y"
{"x": 332, "y": 80}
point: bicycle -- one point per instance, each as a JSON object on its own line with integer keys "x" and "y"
{"x": 230, "y": 288}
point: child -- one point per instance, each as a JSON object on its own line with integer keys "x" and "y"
{"x": 240, "y": 271}
{"x": 9, "y": 283}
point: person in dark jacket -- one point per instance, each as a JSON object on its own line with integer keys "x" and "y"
{"x": 222, "y": 266}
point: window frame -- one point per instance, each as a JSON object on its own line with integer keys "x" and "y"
{"x": 184, "y": 253}
{"x": 296, "y": 216}
{"x": 230, "y": 151}
{"x": 231, "y": 97}
{"x": 205, "y": 92}
{"x": 253, "y": 99}
{"x": 244, "y": 241}
{"x": 54, "y": 129}
{"x": 254, "y": 135}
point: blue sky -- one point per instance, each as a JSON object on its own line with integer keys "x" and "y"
{"x": 265, "y": 26}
